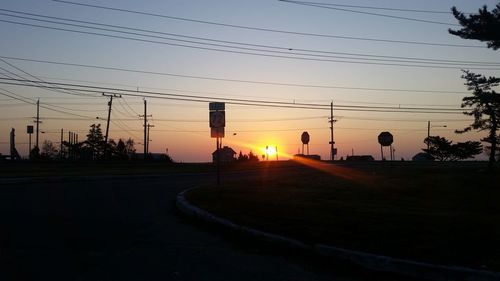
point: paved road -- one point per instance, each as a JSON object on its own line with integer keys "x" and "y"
{"x": 127, "y": 228}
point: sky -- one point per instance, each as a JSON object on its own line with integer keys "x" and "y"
{"x": 278, "y": 65}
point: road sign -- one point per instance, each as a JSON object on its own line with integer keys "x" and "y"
{"x": 29, "y": 129}
{"x": 305, "y": 138}
{"x": 218, "y": 106}
{"x": 217, "y": 132}
{"x": 217, "y": 119}
{"x": 385, "y": 139}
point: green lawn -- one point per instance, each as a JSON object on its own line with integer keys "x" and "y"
{"x": 446, "y": 213}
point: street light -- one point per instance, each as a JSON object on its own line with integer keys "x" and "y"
{"x": 429, "y": 131}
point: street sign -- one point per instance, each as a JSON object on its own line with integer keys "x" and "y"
{"x": 217, "y": 119}
{"x": 305, "y": 138}
{"x": 29, "y": 129}
{"x": 385, "y": 139}
{"x": 218, "y": 106}
{"x": 217, "y": 132}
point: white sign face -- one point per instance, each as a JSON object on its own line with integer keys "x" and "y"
{"x": 217, "y": 132}
{"x": 217, "y": 119}
{"x": 216, "y": 106}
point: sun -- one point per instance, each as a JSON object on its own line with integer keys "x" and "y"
{"x": 269, "y": 150}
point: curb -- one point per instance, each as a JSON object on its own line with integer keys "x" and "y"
{"x": 370, "y": 261}
{"x": 185, "y": 207}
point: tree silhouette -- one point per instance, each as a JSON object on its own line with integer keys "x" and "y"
{"x": 439, "y": 147}
{"x": 444, "y": 150}
{"x": 485, "y": 105}
{"x": 485, "y": 102}
{"x": 95, "y": 141}
{"x": 484, "y": 26}
{"x": 49, "y": 151}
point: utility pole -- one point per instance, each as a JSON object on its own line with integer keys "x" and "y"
{"x": 332, "y": 148}
{"x": 147, "y": 146}
{"x": 110, "y": 103}
{"x": 37, "y": 121}
{"x": 428, "y": 133}
{"x": 61, "y": 145}
{"x": 146, "y": 141}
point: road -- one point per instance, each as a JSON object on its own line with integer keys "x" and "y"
{"x": 127, "y": 228}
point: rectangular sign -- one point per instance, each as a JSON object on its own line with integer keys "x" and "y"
{"x": 217, "y": 119}
{"x": 29, "y": 129}
{"x": 217, "y": 132}
{"x": 216, "y": 106}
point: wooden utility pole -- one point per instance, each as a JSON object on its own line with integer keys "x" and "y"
{"x": 110, "y": 103}
{"x": 332, "y": 143}
{"x": 146, "y": 136}
{"x": 61, "y": 145}
{"x": 147, "y": 146}
{"x": 37, "y": 121}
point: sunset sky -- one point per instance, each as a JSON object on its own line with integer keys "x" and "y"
{"x": 367, "y": 57}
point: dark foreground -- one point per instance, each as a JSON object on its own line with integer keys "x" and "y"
{"x": 438, "y": 213}
{"x": 126, "y": 228}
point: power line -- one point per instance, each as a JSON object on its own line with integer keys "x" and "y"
{"x": 373, "y": 7}
{"x": 206, "y": 99}
{"x": 283, "y": 56}
{"x": 223, "y": 94}
{"x": 266, "y": 29}
{"x": 283, "y": 50}
{"x": 230, "y": 80}
{"x": 368, "y": 13}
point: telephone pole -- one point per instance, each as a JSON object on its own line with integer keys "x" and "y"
{"x": 147, "y": 146}
{"x": 37, "y": 121}
{"x": 146, "y": 136}
{"x": 110, "y": 103}
{"x": 332, "y": 148}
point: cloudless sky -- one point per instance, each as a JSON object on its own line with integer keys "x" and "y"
{"x": 355, "y": 72}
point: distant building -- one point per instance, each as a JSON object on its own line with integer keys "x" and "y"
{"x": 422, "y": 156}
{"x": 360, "y": 158}
{"x": 313, "y": 156}
{"x": 226, "y": 155}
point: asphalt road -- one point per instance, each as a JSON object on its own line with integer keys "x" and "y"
{"x": 127, "y": 228}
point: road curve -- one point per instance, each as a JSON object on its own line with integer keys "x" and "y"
{"x": 127, "y": 228}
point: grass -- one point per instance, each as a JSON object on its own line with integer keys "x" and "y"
{"x": 444, "y": 213}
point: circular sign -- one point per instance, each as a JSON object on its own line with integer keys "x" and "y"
{"x": 385, "y": 139}
{"x": 305, "y": 137}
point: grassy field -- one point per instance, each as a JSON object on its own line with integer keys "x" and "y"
{"x": 445, "y": 213}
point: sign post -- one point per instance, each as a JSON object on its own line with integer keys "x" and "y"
{"x": 385, "y": 139}
{"x": 217, "y": 121}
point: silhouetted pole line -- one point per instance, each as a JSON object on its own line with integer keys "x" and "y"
{"x": 146, "y": 129}
{"x": 332, "y": 147}
{"x": 428, "y": 134}
{"x": 37, "y": 121}
{"x": 61, "y": 145}
{"x": 204, "y": 99}
{"x": 110, "y": 104}
{"x": 147, "y": 146}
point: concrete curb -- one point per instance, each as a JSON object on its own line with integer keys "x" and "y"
{"x": 366, "y": 260}
{"x": 185, "y": 207}
{"x": 407, "y": 267}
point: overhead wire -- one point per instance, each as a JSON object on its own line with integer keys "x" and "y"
{"x": 227, "y": 79}
{"x": 282, "y": 50}
{"x": 260, "y": 28}
{"x": 374, "y": 7}
{"x": 271, "y": 54}
{"x": 368, "y": 13}
{"x": 206, "y": 99}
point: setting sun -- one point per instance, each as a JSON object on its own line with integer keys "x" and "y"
{"x": 269, "y": 151}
